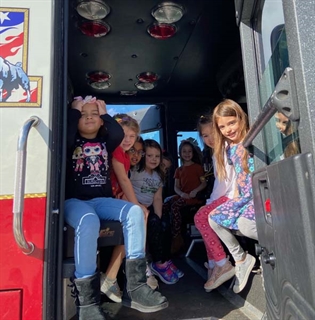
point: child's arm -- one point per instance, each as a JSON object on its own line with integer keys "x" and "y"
{"x": 194, "y": 192}
{"x": 125, "y": 183}
{"x": 114, "y": 129}
{"x": 177, "y": 189}
{"x": 158, "y": 202}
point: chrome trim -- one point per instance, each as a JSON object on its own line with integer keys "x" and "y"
{"x": 19, "y": 187}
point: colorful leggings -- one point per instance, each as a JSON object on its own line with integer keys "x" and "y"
{"x": 173, "y": 205}
{"x": 214, "y": 248}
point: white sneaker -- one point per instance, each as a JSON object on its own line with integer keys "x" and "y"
{"x": 242, "y": 272}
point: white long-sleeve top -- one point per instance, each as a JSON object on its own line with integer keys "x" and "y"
{"x": 224, "y": 187}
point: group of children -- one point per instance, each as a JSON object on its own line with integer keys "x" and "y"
{"x": 112, "y": 174}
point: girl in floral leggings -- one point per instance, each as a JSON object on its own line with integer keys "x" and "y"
{"x": 218, "y": 265}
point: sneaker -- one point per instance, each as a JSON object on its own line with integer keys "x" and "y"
{"x": 210, "y": 270}
{"x": 111, "y": 289}
{"x": 178, "y": 272}
{"x": 242, "y": 272}
{"x": 166, "y": 274}
{"x": 219, "y": 276}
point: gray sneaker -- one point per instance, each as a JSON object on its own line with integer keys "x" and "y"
{"x": 112, "y": 290}
{"x": 242, "y": 272}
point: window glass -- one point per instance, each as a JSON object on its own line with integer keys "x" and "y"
{"x": 281, "y": 134}
{"x": 193, "y": 137}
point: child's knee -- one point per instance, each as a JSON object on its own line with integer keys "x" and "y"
{"x": 89, "y": 224}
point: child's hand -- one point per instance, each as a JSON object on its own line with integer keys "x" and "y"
{"x": 101, "y": 107}
{"x": 193, "y": 194}
{"x": 185, "y": 195}
{"x": 145, "y": 211}
{"x": 77, "y": 105}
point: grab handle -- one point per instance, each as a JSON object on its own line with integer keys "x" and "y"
{"x": 19, "y": 187}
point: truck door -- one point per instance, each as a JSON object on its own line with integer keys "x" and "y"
{"x": 29, "y": 166}
{"x": 283, "y": 128}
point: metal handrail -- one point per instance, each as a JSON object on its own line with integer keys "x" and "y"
{"x": 265, "y": 115}
{"x": 19, "y": 187}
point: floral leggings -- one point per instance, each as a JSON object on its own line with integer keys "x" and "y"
{"x": 173, "y": 205}
{"x": 213, "y": 245}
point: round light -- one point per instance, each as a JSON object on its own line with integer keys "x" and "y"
{"x": 93, "y": 10}
{"x": 168, "y": 12}
{"x": 147, "y": 77}
{"x": 99, "y": 85}
{"x": 94, "y": 29}
{"x": 162, "y": 30}
{"x": 145, "y": 85}
{"x": 98, "y": 76}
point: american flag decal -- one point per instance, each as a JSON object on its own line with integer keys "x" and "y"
{"x": 17, "y": 88}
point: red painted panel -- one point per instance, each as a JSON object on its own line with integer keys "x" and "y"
{"x": 17, "y": 270}
{"x": 10, "y": 305}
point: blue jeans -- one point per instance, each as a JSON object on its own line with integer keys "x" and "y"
{"x": 84, "y": 217}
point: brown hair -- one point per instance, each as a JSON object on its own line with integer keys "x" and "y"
{"x": 126, "y": 121}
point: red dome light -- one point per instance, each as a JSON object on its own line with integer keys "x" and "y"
{"x": 162, "y": 30}
{"x": 147, "y": 77}
{"x": 98, "y": 76}
{"x": 94, "y": 29}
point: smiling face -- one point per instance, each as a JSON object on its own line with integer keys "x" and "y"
{"x": 186, "y": 153}
{"x": 90, "y": 121}
{"x": 152, "y": 158}
{"x": 136, "y": 153}
{"x": 207, "y": 134}
{"x": 129, "y": 138}
{"x": 230, "y": 128}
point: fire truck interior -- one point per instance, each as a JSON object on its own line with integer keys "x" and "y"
{"x": 183, "y": 57}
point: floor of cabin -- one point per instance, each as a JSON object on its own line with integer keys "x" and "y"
{"x": 188, "y": 300}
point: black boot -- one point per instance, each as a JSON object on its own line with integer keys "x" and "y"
{"x": 87, "y": 294}
{"x": 137, "y": 294}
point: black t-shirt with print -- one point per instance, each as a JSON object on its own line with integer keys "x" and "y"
{"x": 89, "y": 160}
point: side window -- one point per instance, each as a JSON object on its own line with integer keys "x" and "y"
{"x": 193, "y": 137}
{"x": 281, "y": 134}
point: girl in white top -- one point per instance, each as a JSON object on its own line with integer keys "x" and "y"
{"x": 219, "y": 267}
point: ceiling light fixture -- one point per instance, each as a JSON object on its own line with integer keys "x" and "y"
{"x": 92, "y": 10}
{"x": 147, "y": 77}
{"x": 94, "y": 29}
{"x": 162, "y": 30}
{"x": 99, "y": 85}
{"x": 99, "y": 80}
{"x": 168, "y": 12}
{"x": 145, "y": 85}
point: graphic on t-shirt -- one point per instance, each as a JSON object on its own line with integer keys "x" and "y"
{"x": 92, "y": 152}
{"x": 92, "y": 157}
{"x": 150, "y": 185}
{"x": 78, "y": 155}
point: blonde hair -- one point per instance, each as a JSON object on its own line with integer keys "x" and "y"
{"x": 126, "y": 121}
{"x": 228, "y": 108}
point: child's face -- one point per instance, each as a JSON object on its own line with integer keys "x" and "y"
{"x": 186, "y": 152}
{"x": 281, "y": 122}
{"x": 136, "y": 153}
{"x": 90, "y": 121}
{"x": 207, "y": 135}
{"x": 230, "y": 128}
{"x": 166, "y": 164}
{"x": 152, "y": 158}
{"x": 129, "y": 139}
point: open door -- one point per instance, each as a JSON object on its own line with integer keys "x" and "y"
{"x": 284, "y": 203}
